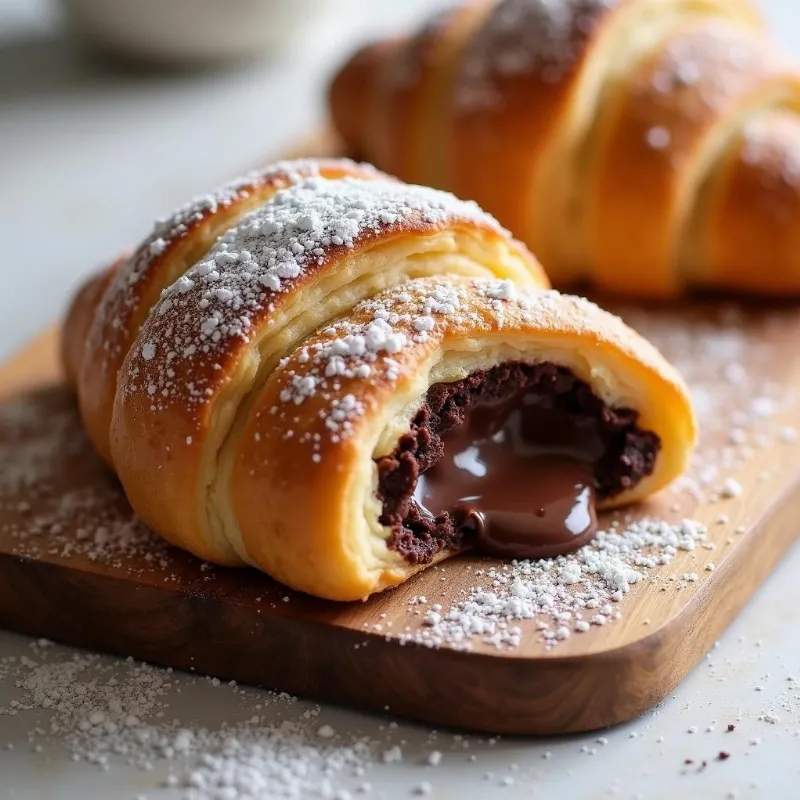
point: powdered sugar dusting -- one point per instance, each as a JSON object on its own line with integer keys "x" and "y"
{"x": 522, "y": 37}
{"x": 726, "y": 356}
{"x": 566, "y": 595}
{"x": 385, "y": 337}
{"x": 26, "y": 450}
{"x": 169, "y": 230}
{"x": 105, "y": 715}
{"x": 231, "y": 292}
{"x": 141, "y": 278}
{"x": 57, "y": 502}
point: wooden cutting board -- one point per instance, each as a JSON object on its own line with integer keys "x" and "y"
{"x": 75, "y": 566}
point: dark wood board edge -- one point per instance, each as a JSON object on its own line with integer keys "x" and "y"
{"x": 439, "y": 686}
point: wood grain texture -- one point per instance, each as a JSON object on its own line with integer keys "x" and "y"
{"x": 173, "y": 610}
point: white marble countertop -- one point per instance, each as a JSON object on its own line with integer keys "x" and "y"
{"x": 88, "y": 156}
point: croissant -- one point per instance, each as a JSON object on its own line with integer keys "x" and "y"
{"x": 318, "y": 344}
{"x": 648, "y": 147}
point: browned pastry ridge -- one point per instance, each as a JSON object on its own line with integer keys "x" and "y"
{"x": 252, "y": 369}
{"x": 646, "y": 147}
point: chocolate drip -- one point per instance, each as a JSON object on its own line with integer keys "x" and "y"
{"x": 510, "y": 460}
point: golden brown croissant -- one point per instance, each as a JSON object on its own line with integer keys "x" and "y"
{"x": 338, "y": 474}
{"x": 310, "y": 356}
{"x": 645, "y": 146}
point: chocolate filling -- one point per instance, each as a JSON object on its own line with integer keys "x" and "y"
{"x": 509, "y": 460}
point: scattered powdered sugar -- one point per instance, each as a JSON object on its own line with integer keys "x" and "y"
{"x": 502, "y": 290}
{"x": 731, "y": 488}
{"x": 571, "y": 592}
{"x": 196, "y": 738}
{"x": 522, "y": 37}
{"x": 230, "y": 292}
{"x": 56, "y": 500}
{"x": 727, "y": 357}
{"x": 714, "y": 350}
{"x": 27, "y": 448}
{"x": 104, "y": 713}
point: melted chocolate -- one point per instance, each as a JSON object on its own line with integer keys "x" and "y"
{"x": 517, "y": 475}
{"x": 509, "y": 460}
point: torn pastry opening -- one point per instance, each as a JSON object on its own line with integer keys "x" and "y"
{"x": 511, "y": 460}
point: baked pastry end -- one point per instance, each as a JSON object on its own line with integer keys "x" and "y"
{"x": 448, "y": 414}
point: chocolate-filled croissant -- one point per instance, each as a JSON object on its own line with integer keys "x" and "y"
{"x": 321, "y": 484}
{"x": 647, "y": 147}
{"x": 277, "y": 343}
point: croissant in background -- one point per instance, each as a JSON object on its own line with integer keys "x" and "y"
{"x": 291, "y": 372}
{"x": 644, "y": 146}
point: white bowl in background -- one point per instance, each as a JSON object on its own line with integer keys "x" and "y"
{"x": 192, "y": 31}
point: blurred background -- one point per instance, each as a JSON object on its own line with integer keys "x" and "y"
{"x": 113, "y": 112}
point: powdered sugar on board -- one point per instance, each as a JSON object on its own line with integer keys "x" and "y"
{"x": 728, "y": 358}
{"x": 566, "y": 595}
{"x": 57, "y": 502}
